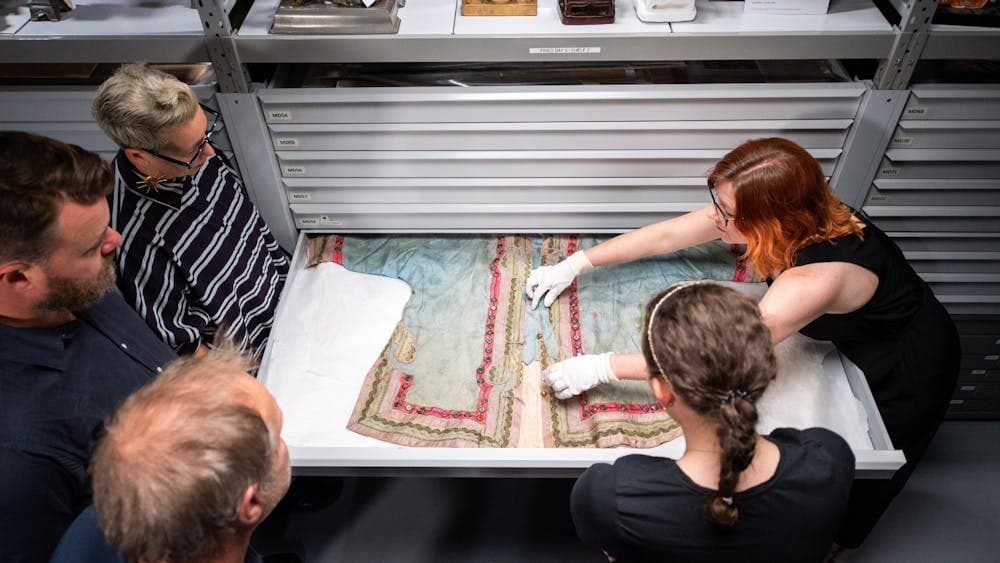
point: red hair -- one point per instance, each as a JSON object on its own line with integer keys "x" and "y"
{"x": 783, "y": 202}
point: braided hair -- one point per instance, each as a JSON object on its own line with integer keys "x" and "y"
{"x": 709, "y": 342}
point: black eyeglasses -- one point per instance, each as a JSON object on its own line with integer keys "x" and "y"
{"x": 213, "y": 128}
{"x": 725, "y": 216}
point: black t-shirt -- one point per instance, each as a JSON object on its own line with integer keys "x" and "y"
{"x": 645, "y": 508}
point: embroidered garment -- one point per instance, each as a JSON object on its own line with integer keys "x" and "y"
{"x": 455, "y": 371}
{"x": 196, "y": 255}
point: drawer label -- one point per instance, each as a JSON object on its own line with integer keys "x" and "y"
{"x": 915, "y": 110}
{"x": 309, "y": 222}
{"x": 968, "y": 388}
{"x": 563, "y": 50}
{"x": 286, "y": 142}
{"x": 902, "y": 140}
{"x": 300, "y": 196}
{"x": 326, "y": 220}
{"x": 878, "y": 198}
{"x": 957, "y": 401}
{"x": 992, "y": 357}
{"x": 978, "y": 372}
{"x": 294, "y": 170}
{"x": 889, "y": 172}
{"x": 279, "y": 115}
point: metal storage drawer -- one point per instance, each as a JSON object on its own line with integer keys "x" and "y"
{"x": 944, "y": 191}
{"x": 485, "y": 190}
{"x": 507, "y": 164}
{"x": 948, "y": 101}
{"x": 964, "y": 246}
{"x": 950, "y": 219}
{"x": 567, "y": 217}
{"x": 563, "y": 104}
{"x": 952, "y": 266}
{"x": 975, "y": 361}
{"x": 940, "y": 163}
{"x": 553, "y": 135}
{"x": 946, "y": 134}
{"x": 881, "y": 461}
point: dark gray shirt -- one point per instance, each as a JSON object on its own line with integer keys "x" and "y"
{"x": 57, "y": 385}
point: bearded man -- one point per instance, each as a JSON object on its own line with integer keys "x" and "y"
{"x": 71, "y": 349}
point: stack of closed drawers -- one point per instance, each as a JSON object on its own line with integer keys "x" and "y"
{"x": 937, "y": 193}
{"x": 977, "y": 395}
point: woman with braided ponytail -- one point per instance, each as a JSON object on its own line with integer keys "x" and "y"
{"x": 733, "y": 495}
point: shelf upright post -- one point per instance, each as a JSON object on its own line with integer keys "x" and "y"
{"x": 230, "y": 73}
{"x": 870, "y": 135}
{"x": 911, "y": 36}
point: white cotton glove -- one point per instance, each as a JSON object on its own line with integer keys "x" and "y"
{"x": 575, "y": 375}
{"x": 550, "y": 281}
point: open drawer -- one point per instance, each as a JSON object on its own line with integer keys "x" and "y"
{"x": 320, "y": 443}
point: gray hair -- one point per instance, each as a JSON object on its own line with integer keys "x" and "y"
{"x": 137, "y": 102}
{"x": 177, "y": 457}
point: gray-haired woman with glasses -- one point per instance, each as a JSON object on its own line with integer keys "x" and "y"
{"x": 733, "y": 495}
{"x": 195, "y": 255}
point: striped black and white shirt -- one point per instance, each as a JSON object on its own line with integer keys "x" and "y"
{"x": 196, "y": 256}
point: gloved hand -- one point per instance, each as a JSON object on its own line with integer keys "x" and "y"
{"x": 550, "y": 281}
{"x": 577, "y": 374}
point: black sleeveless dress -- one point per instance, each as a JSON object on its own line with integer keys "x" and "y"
{"x": 908, "y": 348}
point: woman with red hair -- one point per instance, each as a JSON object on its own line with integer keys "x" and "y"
{"x": 833, "y": 275}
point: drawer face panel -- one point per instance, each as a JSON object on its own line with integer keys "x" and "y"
{"x": 548, "y": 135}
{"x": 957, "y": 102}
{"x": 476, "y": 190}
{"x": 920, "y": 169}
{"x": 931, "y": 134}
{"x": 502, "y": 164}
{"x": 947, "y": 224}
{"x": 944, "y": 266}
{"x": 562, "y": 104}
{"x": 937, "y": 192}
{"x": 478, "y": 218}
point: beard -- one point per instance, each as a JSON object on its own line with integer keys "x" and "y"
{"x": 67, "y": 294}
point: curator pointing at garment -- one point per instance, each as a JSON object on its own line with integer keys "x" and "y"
{"x": 833, "y": 276}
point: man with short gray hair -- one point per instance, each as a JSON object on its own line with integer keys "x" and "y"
{"x": 195, "y": 253}
{"x": 190, "y": 464}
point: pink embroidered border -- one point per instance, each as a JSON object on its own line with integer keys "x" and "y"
{"x": 483, "y": 398}
{"x": 588, "y": 409}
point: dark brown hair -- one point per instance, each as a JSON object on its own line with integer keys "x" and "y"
{"x": 709, "y": 342}
{"x": 783, "y": 201}
{"x": 38, "y": 174}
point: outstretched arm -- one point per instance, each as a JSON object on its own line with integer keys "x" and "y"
{"x": 547, "y": 282}
{"x": 690, "y": 229}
